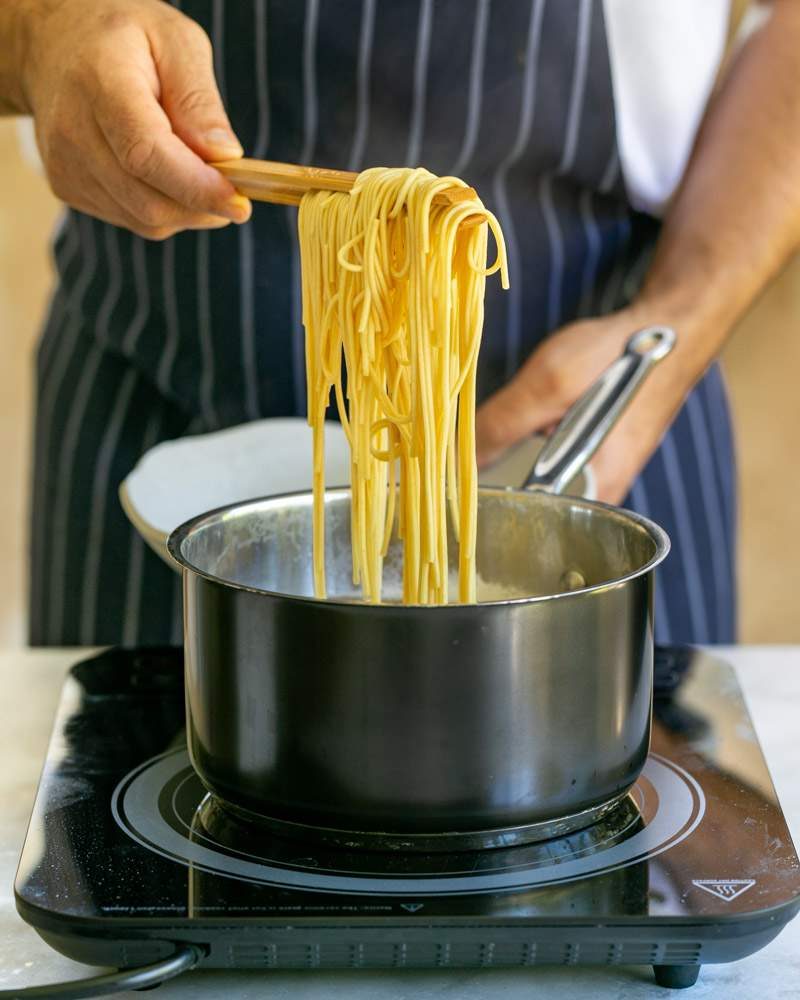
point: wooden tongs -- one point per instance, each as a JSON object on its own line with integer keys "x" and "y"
{"x": 286, "y": 183}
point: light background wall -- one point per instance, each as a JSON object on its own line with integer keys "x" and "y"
{"x": 762, "y": 362}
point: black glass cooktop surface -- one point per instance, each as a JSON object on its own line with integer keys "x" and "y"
{"x": 126, "y": 854}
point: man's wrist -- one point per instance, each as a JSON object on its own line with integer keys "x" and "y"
{"x": 699, "y": 317}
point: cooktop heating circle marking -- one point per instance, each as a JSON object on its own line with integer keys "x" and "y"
{"x": 200, "y": 835}
{"x": 681, "y": 805}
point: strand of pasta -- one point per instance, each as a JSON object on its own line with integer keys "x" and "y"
{"x": 393, "y": 289}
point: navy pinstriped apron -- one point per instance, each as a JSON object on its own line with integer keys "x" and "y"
{"x": 149, "y": 341}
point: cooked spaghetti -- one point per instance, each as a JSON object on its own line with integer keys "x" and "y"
{"x": 393, "y": 287}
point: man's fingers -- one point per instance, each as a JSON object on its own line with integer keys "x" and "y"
{"x": 143, "y": 203}
{"x": 191, "y": 99}
{"x": 500, "y": 422}
{"x": 514, "y": 412}
{"x": 95, "y": 200}
{"x": 538, "y": 395}
{"x": 141, "y": 138}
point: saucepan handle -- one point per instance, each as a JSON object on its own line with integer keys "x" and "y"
{"x": 587, "y": 422}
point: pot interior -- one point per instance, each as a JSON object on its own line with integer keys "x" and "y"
{"x": 529, "y": 545}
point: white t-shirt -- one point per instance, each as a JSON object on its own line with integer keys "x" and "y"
{"x": 664, "y": 55}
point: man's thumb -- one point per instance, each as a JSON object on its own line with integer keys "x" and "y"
{"x": 192, "y": 102}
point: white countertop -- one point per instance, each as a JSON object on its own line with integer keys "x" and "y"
{"x": 30, "y": 682}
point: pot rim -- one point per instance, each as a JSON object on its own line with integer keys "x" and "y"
{"x": 657, "y": 534}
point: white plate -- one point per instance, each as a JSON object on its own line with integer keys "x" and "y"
{"x": 177, "y": 480}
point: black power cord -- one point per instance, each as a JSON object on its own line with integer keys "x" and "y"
{"x": 184, "y": 959}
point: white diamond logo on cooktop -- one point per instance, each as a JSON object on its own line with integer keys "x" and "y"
{"x": 725, "y": 889}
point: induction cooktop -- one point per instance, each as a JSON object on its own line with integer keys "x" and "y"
{"x": 127, "y": 857}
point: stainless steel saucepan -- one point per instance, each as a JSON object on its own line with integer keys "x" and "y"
{"x": 520, "y": 717}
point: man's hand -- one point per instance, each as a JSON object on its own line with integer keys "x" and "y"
{"x": 128, "y": 113}
{"x": 559, "y": 371}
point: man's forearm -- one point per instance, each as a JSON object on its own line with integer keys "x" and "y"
{"x": 736, "y": 217}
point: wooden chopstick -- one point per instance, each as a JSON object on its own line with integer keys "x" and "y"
{"x": 286, "y": 183}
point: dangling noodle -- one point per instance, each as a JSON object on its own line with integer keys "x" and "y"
{"x": 393, "y": 285}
